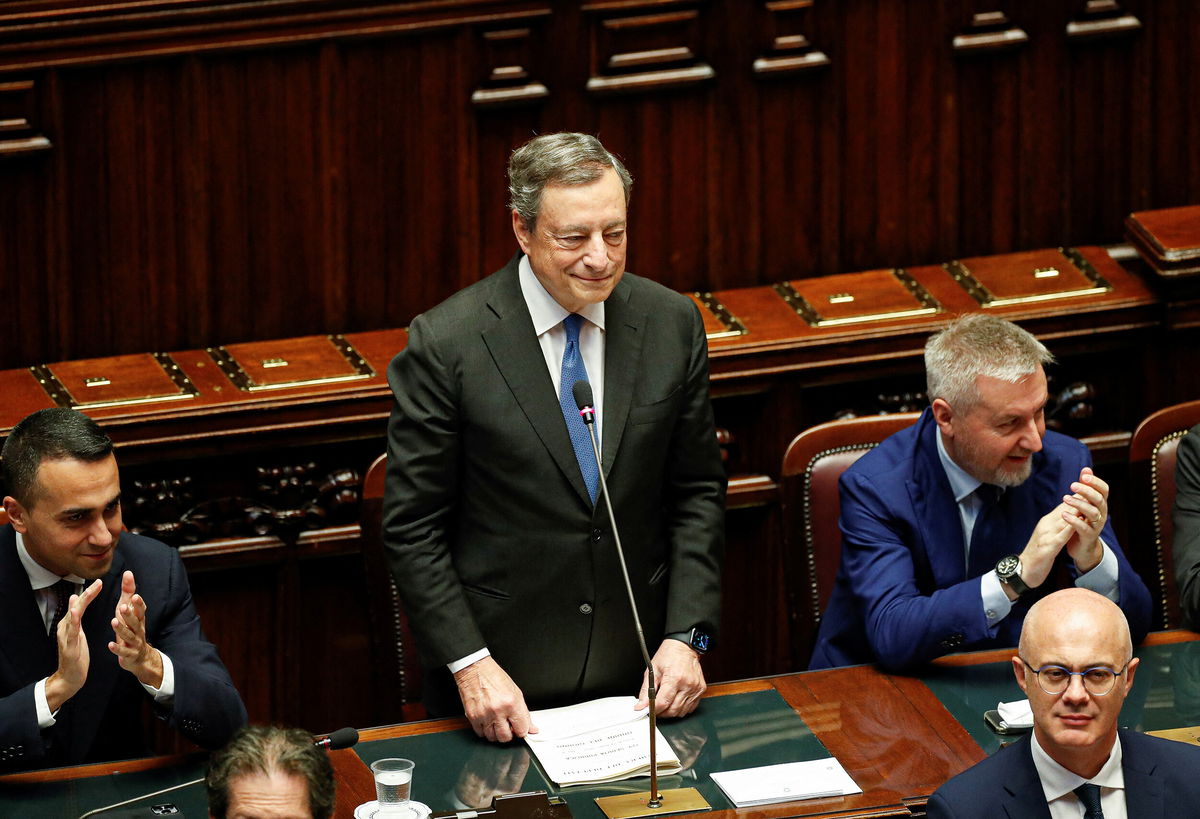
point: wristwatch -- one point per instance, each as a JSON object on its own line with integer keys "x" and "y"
{"x": 697, "y": 639}
{"x": 1008, "y": 569}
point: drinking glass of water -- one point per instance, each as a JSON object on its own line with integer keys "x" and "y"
{"x": 393, "y": 784}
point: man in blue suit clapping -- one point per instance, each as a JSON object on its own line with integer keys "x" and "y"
{"x": 954, "y": 527}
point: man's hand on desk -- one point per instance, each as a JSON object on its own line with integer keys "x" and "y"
{"x": 73, "y": 656}
{"x": 492, "y": 702}
{"x": 680, "y": 680}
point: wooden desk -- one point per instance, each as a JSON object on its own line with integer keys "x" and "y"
{"x": 893, "y": 734}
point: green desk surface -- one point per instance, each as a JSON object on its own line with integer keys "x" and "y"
{"x": 1166, "y": 692}
{"x": 456, "y": 768}
{"x": 69, "y": 799}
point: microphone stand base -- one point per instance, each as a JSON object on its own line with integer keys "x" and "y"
{"x": 628, "y": 805}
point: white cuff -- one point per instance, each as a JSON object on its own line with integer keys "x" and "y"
{"x": 45, "y": 718}
{"x": 1103, "y": 577}
{"x": 474, "y": 657}
{"x": 165, "y": 693}
{"x": 996, "y": 604}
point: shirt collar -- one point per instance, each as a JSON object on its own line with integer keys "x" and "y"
{"x": 961, "y": 482}
{"x": 1057, "y": 781}
{"x": 39, "y": 576}
{"x": 543, "y": 309}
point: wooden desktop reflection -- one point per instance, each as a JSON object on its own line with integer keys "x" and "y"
{"x": 892, "y": 734}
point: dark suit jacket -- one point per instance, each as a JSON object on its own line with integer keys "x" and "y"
{"x": 904, "y": 594}
{"x": 1161, "y": 782}
{"x": 1186, "y": 546}
{"x": 491, "y": 536}
{"x": 103, "y": 720}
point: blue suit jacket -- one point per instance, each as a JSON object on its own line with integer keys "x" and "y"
{"x": 1158, "y": 773}
{"x": 903, "y": 594}
{"x": 103, "y": 720}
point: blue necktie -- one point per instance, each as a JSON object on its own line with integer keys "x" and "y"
{"x": 572, "y": 371}
{"x": 1089, "y": 795}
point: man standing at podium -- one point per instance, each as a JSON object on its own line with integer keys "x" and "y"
{"x": 953, "y": 527}
{"x": 95, "y": 622}
{"x": 497, "y": 539}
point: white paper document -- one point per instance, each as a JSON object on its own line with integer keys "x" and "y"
{"x": 786, "y": 782}
{"x": 603, "y": 740}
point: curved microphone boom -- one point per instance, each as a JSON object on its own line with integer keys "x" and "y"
{"x": 582, "y": 391}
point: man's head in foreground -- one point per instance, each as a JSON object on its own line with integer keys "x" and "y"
{"x": 1075, "y": 663}
{"x": 267, "y": 772}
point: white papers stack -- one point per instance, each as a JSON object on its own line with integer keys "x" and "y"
{"x": 786, "y": 782}
{"x": 603, "y": 740}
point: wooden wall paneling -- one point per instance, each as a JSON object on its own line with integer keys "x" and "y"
{"x": 330, "y": 680}
{"x": 29, "y": 218}
{"x": 239, "y": 613}
{"x": 1099, "y": 87}
{"x": 988, "y": 117}
{"x": 1044, "y": 128}
{"x": 1174, "y": 101}
{"x": 412, "y": 163}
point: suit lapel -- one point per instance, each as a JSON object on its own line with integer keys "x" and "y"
{"x": 622, "y": 363}
{"x": 1144, "y": 798}
{"x": 30, "y": 651}
{"x": 936, "y": 512}
{"x": 518, "y": 356}
{"x": 1026, "y": 799}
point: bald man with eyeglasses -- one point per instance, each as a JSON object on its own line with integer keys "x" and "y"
{"x": 1075, "y": 663}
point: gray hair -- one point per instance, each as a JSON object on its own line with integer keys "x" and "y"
{"x": 263, "y": 749}
{"x": 557, "y": 159}
{"x": 978, "y": 344}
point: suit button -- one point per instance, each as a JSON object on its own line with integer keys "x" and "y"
{"x": 585, "y": 608}
{"x": 596, "y": 535}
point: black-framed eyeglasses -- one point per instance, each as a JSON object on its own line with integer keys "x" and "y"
{"x": 1097, "y": 680}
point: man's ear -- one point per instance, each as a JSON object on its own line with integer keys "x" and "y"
{"x": 523, "y": 234}
{"x": 943, "y": 416}
{"x": 1019, "y": 672}
{"x": 16, "y": 513}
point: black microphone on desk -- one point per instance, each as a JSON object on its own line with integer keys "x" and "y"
{"x": 582, "y": 391}
{"x": 339, "y": 739}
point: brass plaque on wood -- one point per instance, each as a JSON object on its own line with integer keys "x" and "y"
{"x": 119, "y": 381}
{"x": 718, "y": 321}
{"x": 1028, "y": 278}
{"x": 850, "y": 298}
{"x": 292, "y": 362}
{"x": 1189, "y": 735}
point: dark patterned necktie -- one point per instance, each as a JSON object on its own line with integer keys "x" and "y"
{"x": 63, "y": 590}
{"x": 572, "y": 371}
{"x": 987, "y": 536}
{"x": 1089, "y": 795}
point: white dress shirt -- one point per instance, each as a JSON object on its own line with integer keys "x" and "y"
{"x": 1059, "y": 784}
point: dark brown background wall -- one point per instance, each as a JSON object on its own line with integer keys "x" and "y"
{"x": 195, "y": 173}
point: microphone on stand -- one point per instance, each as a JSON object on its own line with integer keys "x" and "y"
{"x": 341, "y": 738}
{"x": 582, "y": 391}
